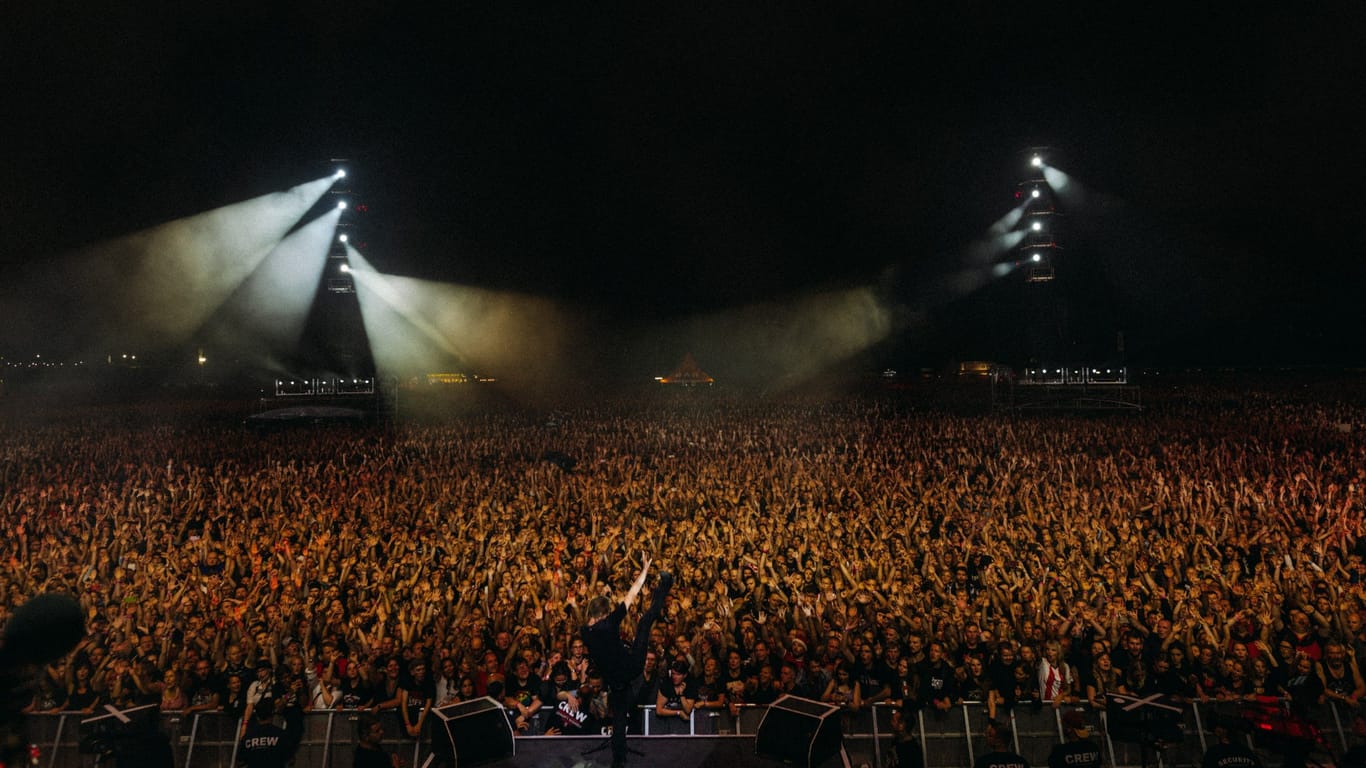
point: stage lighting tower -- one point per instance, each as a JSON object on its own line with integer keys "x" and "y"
{"x": 334, "y": 341}
{"x": 1038, "y": 248}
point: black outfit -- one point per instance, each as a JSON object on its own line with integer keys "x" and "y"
{"x": 266, "y": 745}
{"x": 619, "y": 663}
{"x": 908, "y": 753}
{"x": 1354, "y": 757}
{"x": 937, "y": 681}
{"x": 1001, "y": 759}
{"x": 1305, "y": 691}
{"x": 1082, "y": 753}
{"x": 1230, "y": 755}
{"x": 366, "y": 757}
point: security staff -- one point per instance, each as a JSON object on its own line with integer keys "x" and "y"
{"x": 1078, "y": 751}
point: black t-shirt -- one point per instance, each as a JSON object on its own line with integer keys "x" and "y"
{"x": 367, "y": 757}
{"x": 419, "y": 695}
{"x": 874, "y": 678}
{"x": 1000, "y": 759}
{"x": 606, "y": 649}
{"x": 1304, "y": 691}
{"x": 1231, "y": 755}
{"x": 709, "y": 691}
{"x": 82, "y": 699}
{"x": 974, "y": 687}
{"x": 765, "y": 693}
{"x": 357, "y": 694}
{"x": 291, "y": 693}
{"x": 909, "y": 754}
{"x": 265, "y": 745}
{"x": 1340, "y": 681}
{"x": 673, "y": 698}
{"x": 202, "y": 691}
{"x": 1075, "y": 754}
{"x": 524, "y": 691}
{"x": 937, "y": 681}
{"x": 1001, "y": 677}
{"x": 734, "y": 686}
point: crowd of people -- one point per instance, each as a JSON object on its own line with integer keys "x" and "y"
{"x": 856, "y": 551}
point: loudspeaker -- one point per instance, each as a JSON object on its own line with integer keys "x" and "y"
{"x": 1149, "y": 720}
{"x": 479, "y": 731}
{"x": 131, "y": 737}
{"x": 799, "y": 732}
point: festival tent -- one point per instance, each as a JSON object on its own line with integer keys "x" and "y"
{"x": 688, "y": 374}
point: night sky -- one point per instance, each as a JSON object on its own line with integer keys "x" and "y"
{"x": 647, "y": 163}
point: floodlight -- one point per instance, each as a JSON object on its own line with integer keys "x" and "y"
{"x": 341, "y": 206}
{"x": 1037, "y": 226}
{"x": 1037, "y": 257}
{"x": 1035, "y": 193}
{"x": 340, "y": 174}
{"x": 1036, "y": 161}
{"x": 342, "y": 238}
{"x": 346, "y": 268}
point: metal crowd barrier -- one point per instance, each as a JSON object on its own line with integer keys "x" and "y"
{"x": 949, "y": 739}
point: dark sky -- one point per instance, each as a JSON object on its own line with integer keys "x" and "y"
{"x": 655, "y": 160}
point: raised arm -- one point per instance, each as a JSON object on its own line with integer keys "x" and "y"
{"x": 638, "y": 585}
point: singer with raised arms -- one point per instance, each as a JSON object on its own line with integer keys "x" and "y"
{"x": 621, "y": 663}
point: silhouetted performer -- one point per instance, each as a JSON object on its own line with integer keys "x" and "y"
{"x": 621, "y": 663}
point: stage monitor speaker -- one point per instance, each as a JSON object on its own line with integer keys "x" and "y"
{"x": 1149, "y": 720}
{"x": 799, "y": 732}
{"x": 127, "y": 738}
{"x": 479, "y": 731}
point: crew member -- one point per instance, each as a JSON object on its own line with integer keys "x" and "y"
{"x": 265, "y": 744}
{"x": 1078, "y": 751}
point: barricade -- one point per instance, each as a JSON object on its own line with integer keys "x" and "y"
{"x": 951, "y": 739}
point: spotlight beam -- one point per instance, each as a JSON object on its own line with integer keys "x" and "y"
{"x": 153, "y": 288}
{"x": 265, "y": 317}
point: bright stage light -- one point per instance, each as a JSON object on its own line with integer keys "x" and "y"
{"x": 1037, "y": 226}
{"x": 417, "y": 327}
{"x": 341, "y": 206}
{"x": 1035, "y": 193}
{"x": 1036, "y": 258}
{"x": 340, "y": 174}
{"x": 1058, "y": 181}
{"x": 341, "y": 238}
{"x": 1007, "y": 222}
{"x": 346, "y": 268}
{"x": 1036, "y": 161}
{"x": 265, "y": 317}
{"x": 155, "y": 287}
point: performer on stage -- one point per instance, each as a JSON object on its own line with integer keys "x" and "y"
{"x": 621, "y": 663}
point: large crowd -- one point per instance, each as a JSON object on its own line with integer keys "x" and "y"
{"x": 857, "y": 551}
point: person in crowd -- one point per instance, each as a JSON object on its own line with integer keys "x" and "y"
{"x": 173, "y": 697}
{"x": 1205, "y": 524}
{"x": 676, "y": 697}
{"x": 416, "y": 697}
{"x": 203, "y": 692}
